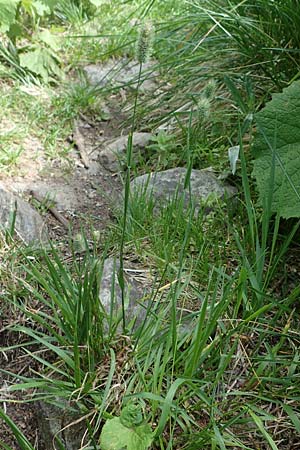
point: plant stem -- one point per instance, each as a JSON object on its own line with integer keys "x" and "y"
{"x": 126, "y": 199}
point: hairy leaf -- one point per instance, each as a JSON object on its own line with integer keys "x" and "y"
{"x": 115, "y": 436}
{"x": 41, "y": 62}
{"x": 48, "y": 3}
{"x": 131, "y": 416}
{"x": 51, "y": 3}
{"x": 41, "y": 8}
{"x": 277, "y": 152}
{"x": 96, "y": 2}
{"x": 8, "y": 10}
{"x": 49, "y": 39}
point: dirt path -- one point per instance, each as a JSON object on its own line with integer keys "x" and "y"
{"x": 85, "y": 196}
{"x": 80, "y": 189}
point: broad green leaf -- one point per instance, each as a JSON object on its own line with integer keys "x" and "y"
{"x": 131, "y": 416}
{"x": 36, "y": 62}
{"x": 115, "y": 436}
{"x": 96, "y": 2}
{"x": 39, "y": 4}
{"x": 50, "y": 3}
{"x": 41, "y": 8}
{"x": 49, "y": 39}
{"x": 8, "y": 10}
{"x": 41, "y": 62}
{"x": 277, "y": 152}
{"x": 15, "y": 30}
{"x": 27, "y": 5}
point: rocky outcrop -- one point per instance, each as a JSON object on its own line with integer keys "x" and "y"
{"x": 61, "y": 424}
{"x": 122, "y": 72}
{"x": 113, "y": 156}
{"x": 29, "y": 225}
{"x": 164, "y": 186}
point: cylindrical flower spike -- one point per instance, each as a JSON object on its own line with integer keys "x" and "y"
{"x": 144, "y": 42}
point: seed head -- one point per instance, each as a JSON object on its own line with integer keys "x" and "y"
{"x": 203, "y": 108}
{"x": 210, "y": 90}
{"x": 144, "y": 42}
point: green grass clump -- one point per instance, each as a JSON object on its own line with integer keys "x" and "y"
{"x": 218, "y": 40}
{"x": 27, "y": 111}
{"x": 211, "y": 364}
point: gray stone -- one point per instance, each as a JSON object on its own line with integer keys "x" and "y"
{"x": 135, "y": 293}
{"x": 164, "y": 186}
{"x": 29, "y": 225}
{"x": 120, "y": 72}
{"x": 61, "y": 421}
{"x": 60, "y": 194}
{"x": 113, "y": 156}
{"x": 139, "y": 294}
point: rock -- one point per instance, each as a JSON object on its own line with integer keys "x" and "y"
{"x": 113, "y": 157}
{"x": 139, "y": 298}
{"x": 135, "y": 291}
{"x": 54, "y": 422}
{"x": 164, "y": 186}
{"x": 58, "y": 192}
{"x": 120, "y": 72}
{"x": 29, "y": 225}
{"x": 62, "y": 196}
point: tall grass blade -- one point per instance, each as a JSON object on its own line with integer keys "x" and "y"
{"x": 20, "y": 438}
{"x": 258, "y": 422}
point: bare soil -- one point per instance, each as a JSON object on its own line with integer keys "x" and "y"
{"x": 85, "y": 195}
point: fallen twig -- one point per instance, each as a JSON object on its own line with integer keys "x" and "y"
{"x": 55, "y": 213}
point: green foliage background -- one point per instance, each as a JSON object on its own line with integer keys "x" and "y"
{"x": 277, "y": 153}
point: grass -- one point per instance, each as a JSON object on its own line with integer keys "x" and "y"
{"x": 23, "y": 113}
{"x": 221, "y": 379}
{"x": 28, "y": 111}
{"x": 233, "y": 40}
{"x": 215, "y": 362}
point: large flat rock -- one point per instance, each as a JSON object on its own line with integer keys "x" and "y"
{"x": 61, "y": 194}
{"x": 64, "y": 423}
{"x": 113, "y": 155}
{"x": 121, "y": 72}
{"x": 164, "y": 186}
{"x": 29, "y": 225}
